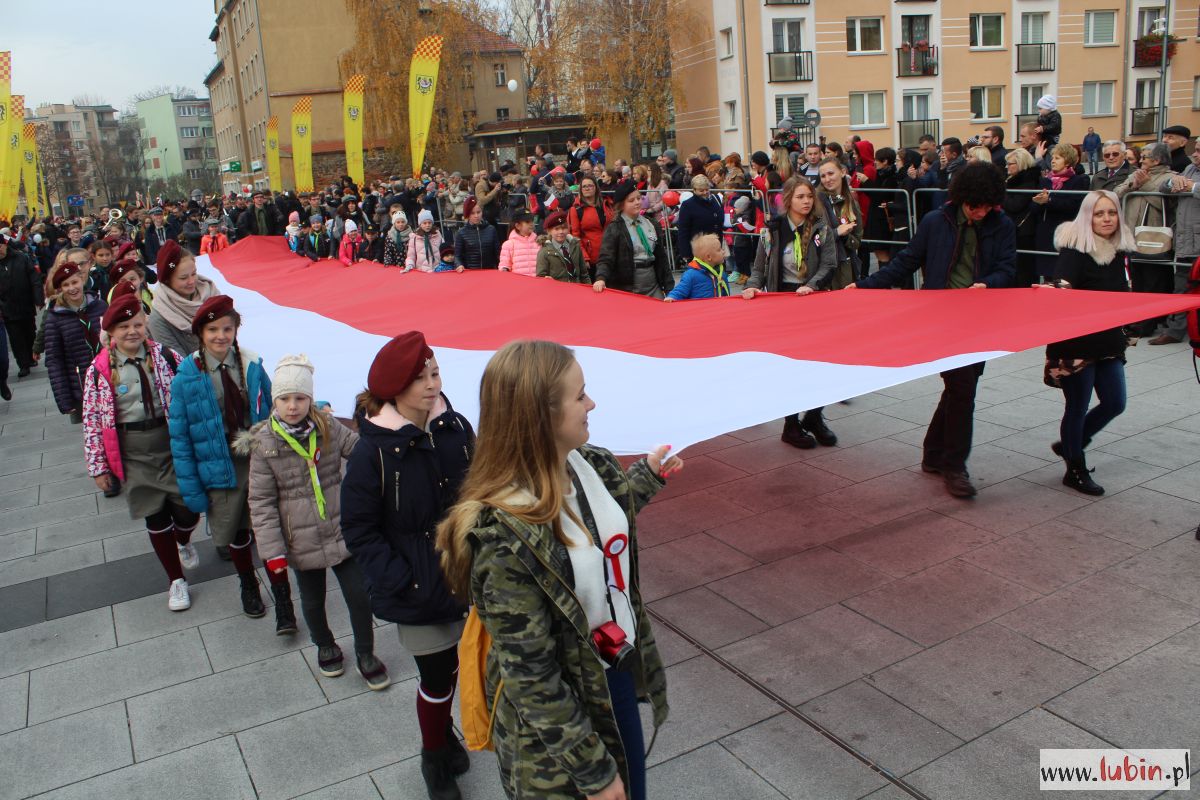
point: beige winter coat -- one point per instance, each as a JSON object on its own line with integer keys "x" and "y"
{"x": 283, "y": 507}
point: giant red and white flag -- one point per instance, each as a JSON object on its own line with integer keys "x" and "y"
{"x": 659, "y": 372}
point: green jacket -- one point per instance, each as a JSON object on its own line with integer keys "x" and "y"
{"x": 555, "y": 733}
{"x": 551, "y": 264}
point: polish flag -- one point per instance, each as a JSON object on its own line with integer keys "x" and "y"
{"x": 659, "y": 372}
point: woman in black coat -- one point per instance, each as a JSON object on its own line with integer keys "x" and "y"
{"x": 1023, "y": 173}
{"x": 887, "y": 213}
{"x": 476, "y": 244}
{"x": 401, "y": 477}
{"x": 1057, "y": 207}
{"x": 1093, "y": 254}
{"x": 72, "y": 336}
{"x": 632, "y": 256}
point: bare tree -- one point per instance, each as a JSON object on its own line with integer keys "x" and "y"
{"x": 60, "y": 167}
{"x": 88, "y": 100}
{"x": 177, "y": 93}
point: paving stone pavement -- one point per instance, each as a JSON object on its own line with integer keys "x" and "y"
{"x": 834, "y": 625}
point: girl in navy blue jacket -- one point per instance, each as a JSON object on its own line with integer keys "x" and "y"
{"x": 401, "y": 477}
{"x": 220, "y": 391}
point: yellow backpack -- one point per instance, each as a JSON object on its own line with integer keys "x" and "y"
{"x": 477, "y": 718}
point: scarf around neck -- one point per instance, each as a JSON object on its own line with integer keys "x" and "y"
{"x": 177, "y": 309}
{"x": 1057, "y": 179}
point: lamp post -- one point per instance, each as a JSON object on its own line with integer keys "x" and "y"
{"x": 1162, "y": 26}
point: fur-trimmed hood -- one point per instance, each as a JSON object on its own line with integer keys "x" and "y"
{"x": 247, "y": 441}
{"x": 1067, "y": 235}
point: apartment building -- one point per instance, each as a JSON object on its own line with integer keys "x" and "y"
{"x": 176, "y": 137}
{"x": 83, "y": 135}
{"x": 893, "y": 71}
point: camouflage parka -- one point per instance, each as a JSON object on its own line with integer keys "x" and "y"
{"x": 555, "y": 733}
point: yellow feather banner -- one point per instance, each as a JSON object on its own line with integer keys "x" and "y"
{"x": 302, "y": 144}
{"x": 422, "y": 88}
{"x": 5, "y": 107}
{"x": 274, "y": 173}
{"x": 29, "y": 168}
{"x": 352, "y": 125}
{"x": 12, "y": 156}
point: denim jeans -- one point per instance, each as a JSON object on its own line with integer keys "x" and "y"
{"x": 1079, "y": 425}
{"x": 629, "y": 723}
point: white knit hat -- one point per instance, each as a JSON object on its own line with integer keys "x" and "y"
{"x": 293, "y": 375}
{"x": 351, "y": 226}
{"x": 399, "y": 215}
{"x": 425, "y": 214}
{"x": 1047, "y": 102}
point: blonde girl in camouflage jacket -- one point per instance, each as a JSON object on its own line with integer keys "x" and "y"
{"x": 527, "y": 544}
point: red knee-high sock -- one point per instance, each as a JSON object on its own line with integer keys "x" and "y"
{"x": 433, "y": 713}
{"x": 183, "y": 535}
{"x": 168, "y": 554}
{"x": 240, "y": 553}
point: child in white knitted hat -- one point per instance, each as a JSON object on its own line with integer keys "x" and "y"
{"x": 296, "y": 465}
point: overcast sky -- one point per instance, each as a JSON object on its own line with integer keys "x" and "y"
{"x": 67, "y": 48}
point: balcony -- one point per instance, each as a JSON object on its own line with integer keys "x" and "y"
{"x": 914, "y": 62}
{"x": 1035, "y": 57}
{"x": 1147, "y": 51}
{"x": 788, "y": 2}
{"x": 911, "y": 131}
{"x": 795, "y": 66}
{"x": 1143, "y": 122}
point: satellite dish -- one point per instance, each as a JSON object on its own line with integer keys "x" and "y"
{"x": 812, "y": 118}
{"x": 513, "y": 85}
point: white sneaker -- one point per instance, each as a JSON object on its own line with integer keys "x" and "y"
{"x": 179, "y": 599}
{"x": 188, "y": 556}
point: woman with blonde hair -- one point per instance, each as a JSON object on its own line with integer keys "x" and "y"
{"x": 543, "y": 542}
{"x": 981, "y": 154}
{"x": 1093, "y": 254}
{"x": 782, "y": 160}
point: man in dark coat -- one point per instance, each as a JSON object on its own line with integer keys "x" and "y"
{"x": 1176, "y": 137}
{"x": 966, "y": 244}
{"x": 160, "y": 231}
{"x": 260, "y": 219}
{"x": 1115, "y": 170}
{"x": 700, "y": 213}
{"x": 20, "y": 298}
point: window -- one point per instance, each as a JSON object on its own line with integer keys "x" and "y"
{"x": 501, "y": 113}
{"x": 156, "y": 163}
{"x": 789, "y": 106}
{"x": 186, "y": 111}
{"x": 1033, "y": 28}
{"x": 1196, "y": 94}
{"x": 867, "y": 110}
{"x": 501, "y": 77}
{"x": 864, "y": 34}
{"x": 153, "y": 142}
{"x": 206, "y": 132}
{"x": 1030, "y": 94}
{"x": 914, "y": 28}
{"x": 727, "y": 43}
{"x": 1099, "y": 28}
{"x": 1145, "y": 93}
{"x": 76, "y": 125}
{"x": 787, "y": 35}
{"x": 1098, "y": 98}
{"x": 987, "y": 102}
{"x": 916, "y": 105}
{"x": 987, "y": 30}
{"x": 79, "y": 145}
{"x": 731, "y": 120}
{"x": 1147, "y": 17}
{"x": 189, "y": 133}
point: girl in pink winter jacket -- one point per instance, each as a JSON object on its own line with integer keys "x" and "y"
{"x": 348, "y": 249}
{"x": 519, "y": 253}
{"x": 424, "y": 245}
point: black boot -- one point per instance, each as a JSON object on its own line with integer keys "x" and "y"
{"x": 438, "y": 775}
{"x": 459, "y": 760}
{"x": 252, "y": 604}
{"x": 285, "y": 613}
{"x": 795, "y": 435}
{"x": 5, "y": 392}
{"x": 814, "y": 423}
{"x": 1079, "y": 477}
{"x": 223, "y": 553}
{"x": 1058, "y": 451}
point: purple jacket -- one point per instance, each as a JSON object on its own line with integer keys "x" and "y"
{"x": 68, "y": 353}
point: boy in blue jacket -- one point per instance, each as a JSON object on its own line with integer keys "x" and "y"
{"x": 705, "y": 273}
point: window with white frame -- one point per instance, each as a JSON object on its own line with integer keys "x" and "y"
{"x": 1030, "y": 94}
{"x": 790, "y": 106}
{"x": 867, "y": 109}
{"x": 787, "y": 35}
{"x": 731, "y": 120}
{"x": 189, "y": 133}
{"x": 727, "y": 43}
{"x": 1196, "y": 94}
{"x": 915, "y": 104}
{"x": 1099, "y": 28}
{"x": 864, "y": 34}
{"x": 1033, "y": 27}
{"x": 987, "y": 30}
{"x": 1098, "y": 98}
{"x": 499, "y": 72}
{"x": 987, "y": 102}
{"x": 1146, "y": 19}
{"x": 1145, "y": 93}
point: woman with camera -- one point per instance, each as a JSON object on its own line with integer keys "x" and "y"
{"x": 543, "y": 541}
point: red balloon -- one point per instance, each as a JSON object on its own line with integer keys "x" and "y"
{"x": 670, "y": 198}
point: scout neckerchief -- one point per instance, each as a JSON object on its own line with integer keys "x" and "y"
{"x": 718, "y": 275}
{"x": 637, "y": 227}
{"x": 311, "y": 456}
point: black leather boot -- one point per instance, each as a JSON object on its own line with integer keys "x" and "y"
{"x": 438, "y": 775}
{"x": 460, "y": 760}
{"x": 252, "y": 604}
{"x": 814, "y": 423}
{"x": 1079, "y": 477}
{"x": 795, "y": 435}
{"x": 285, "y": 612}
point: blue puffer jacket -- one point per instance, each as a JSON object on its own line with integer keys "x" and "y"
{"x": 198, "y": 444}
{"x": 698, "y": 283}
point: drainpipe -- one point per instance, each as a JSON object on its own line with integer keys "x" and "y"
{"x": 749, "y": 134}
{"x": 1126, "y": 122}
{"x": 1163, "y": 86}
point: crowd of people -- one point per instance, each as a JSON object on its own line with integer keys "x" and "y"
{"x": 420, "y": 518}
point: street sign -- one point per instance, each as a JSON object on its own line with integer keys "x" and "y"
{"x": 235, "y": 166}
{"x": 812, "y": 118}
{"x": 75, "y": 200}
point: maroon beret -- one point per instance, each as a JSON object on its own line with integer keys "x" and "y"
{"x": 68, "y": 270}
{"x": 123, "y": 307}
{"x": 398, "y": 364}
{"x": 124, "y": 250}
{"x": 555, "y": 219}
{"x": 469, "y": 206}
{"x": 122, "y": 288}
{"x": 446, "y": 249}
{"x": 120, "y": 269}
{"x": 211, "y": 310}
{"x": 169, "y": 256}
